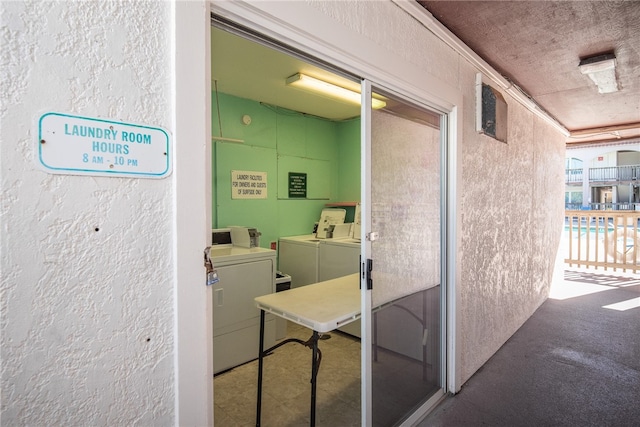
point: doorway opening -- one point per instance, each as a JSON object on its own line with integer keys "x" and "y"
{"x": 262, "y": 126}
{"x": 265, "y": 127}
{"x": 603, "y": 195}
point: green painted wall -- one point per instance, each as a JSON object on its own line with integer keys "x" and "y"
{"x": 279, "y": 141}
{"x": 349, "y": 160}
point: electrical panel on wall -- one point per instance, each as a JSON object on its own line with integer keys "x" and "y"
{"x": 491, "y": 111}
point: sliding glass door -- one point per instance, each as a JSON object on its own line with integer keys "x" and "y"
{"x": 402, "y": 239}
{"x": 402, "y": 220}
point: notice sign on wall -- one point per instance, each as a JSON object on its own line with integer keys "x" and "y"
{"x": 248, "y": 185}
{"x": 297, "y": 185}
{"x": 75, "y": 145}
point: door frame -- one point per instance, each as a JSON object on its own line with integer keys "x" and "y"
{"x": 191, "y": 180}
{"x": 303, "y": 27}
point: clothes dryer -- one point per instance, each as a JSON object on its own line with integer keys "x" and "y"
{"x": 244, "y": 274}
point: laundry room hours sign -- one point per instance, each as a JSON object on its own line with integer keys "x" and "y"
{"x": 79, "y": 145}
{"x": 248, "y": 185}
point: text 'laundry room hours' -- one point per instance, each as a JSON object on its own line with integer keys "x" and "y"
{"x": 77, "y": 145}
{"x": 248, "y": 185}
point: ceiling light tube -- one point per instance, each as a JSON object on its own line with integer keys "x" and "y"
{"x": 330, "y": 90}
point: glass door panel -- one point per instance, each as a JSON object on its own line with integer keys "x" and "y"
{"x": 405, "y": 213}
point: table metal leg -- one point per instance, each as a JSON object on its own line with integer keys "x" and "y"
{"x": 314, "y": 376}
{"x": 260, "y": 363}
{"x": 311, "y": 343}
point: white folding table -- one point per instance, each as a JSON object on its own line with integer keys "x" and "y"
{"x": 321, "y": 307}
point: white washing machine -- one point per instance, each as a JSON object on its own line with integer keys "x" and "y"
{"x": 244, "y": 273}
{"x": 298, "y": 257}
{"x": 337, "y": 258}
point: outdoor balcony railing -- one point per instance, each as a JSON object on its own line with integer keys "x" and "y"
{"x": 608, "y": 240}
{"x": 609, "y": 174}
{"x": 573, "y": 175}
{"x": 620, "y": 206}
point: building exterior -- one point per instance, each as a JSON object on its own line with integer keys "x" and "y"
{"x": 603, "y": 176}
{"x": 105, "y": 319}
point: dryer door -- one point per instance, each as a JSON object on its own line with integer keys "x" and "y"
{"x": 233, "y": 295}
{"x": 236, "y": 320}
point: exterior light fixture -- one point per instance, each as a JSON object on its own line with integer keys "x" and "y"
{"x": 601, "y": 70}
{"x": 330, "y": 90}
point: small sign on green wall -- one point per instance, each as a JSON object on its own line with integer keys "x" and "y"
{"x": 248, "y": 185}
{"x": 297, "y": 185}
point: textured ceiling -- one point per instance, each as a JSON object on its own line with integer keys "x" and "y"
{"x": 538, "y": 45}
{"x": 535, "y": 44}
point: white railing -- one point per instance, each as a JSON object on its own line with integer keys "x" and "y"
{"x": 603, "y": 239}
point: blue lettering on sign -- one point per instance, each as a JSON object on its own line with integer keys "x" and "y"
{"x": 90, "y": 132}
{"x": 110, "y": 147}
{"x": 140, "y": 138}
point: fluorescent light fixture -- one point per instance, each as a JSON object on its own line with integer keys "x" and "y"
{"x": 330, "y": 90}
{"x": 601, "y": 70}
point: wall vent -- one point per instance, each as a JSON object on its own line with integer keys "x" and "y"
{"x": 491, "y": 111}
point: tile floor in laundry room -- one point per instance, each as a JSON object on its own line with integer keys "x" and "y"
{"x": 287, "y": 391}
{"x": 286, "y": 385}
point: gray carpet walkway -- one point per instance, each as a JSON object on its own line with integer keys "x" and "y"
{"x": 575, "y": 362}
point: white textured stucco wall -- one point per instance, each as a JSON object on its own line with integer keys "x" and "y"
{"x": 512, "y": 207}
{"x": 87, "y": 279}
{"x": 510, "y": 195}
{"x": 87, "y": 317}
